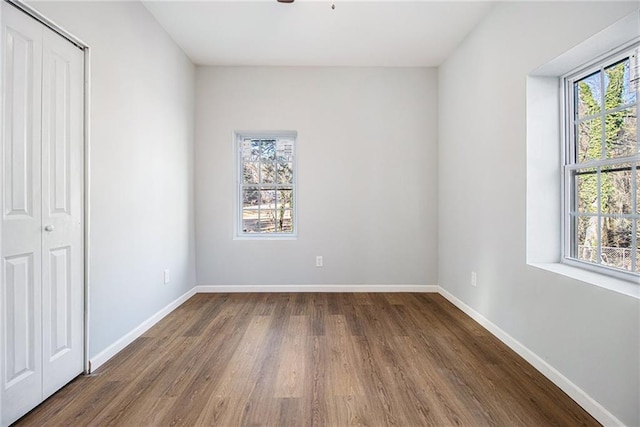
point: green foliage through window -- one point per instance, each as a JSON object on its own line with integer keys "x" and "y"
{"x": 603, "y": 167}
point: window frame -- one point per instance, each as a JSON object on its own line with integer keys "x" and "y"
{"x": 238, "y": 138}
{"x": 570, "y": 163}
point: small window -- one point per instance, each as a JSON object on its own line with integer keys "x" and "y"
{"x": 602, "y": 166}
{"x": 266, "y": 169}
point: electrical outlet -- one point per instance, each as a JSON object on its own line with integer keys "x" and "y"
{"x": 474, "y": 279}
{"x": 167, "y": 277}
{"x": 319, "y": 261}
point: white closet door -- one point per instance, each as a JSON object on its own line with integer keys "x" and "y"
{"x": 42, "y": 289}
{"x": 21, "y": 215}
{"x": 62, "y": 208}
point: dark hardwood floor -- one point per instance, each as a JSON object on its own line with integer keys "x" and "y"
{"x": 313, "y": 359}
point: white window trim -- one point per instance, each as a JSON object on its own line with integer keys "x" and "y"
{"x": 238, "y": 234}
{"x": 568, "y": 152}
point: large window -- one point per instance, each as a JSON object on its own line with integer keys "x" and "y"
{"x": 266, "y": 184}
{"x": 602, "y": 166}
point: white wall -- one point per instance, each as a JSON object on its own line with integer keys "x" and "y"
{"x": 589, "y": 334}
{"x": 367, "y": 171}
{"x": 142, "y": 114}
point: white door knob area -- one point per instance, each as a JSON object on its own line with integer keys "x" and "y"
{"x": 48, "y": 228}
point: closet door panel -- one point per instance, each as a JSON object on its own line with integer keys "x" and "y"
{"x": 21, "y": 299}
{"x": 62, "y": 210}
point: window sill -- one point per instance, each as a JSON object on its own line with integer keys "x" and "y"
{"x": 610, "y": 283}
{"x": 265, "y": 237}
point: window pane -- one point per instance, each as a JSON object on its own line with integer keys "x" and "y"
{"x": 589, "y": 135}
{"x": 268, "y": 150}
{"x": 250, "y": 198}
{"x": 604, "y": 204}
{"x": 285, "y": 173}
{"x": 284, "y": 150}
{"x": 621, "y": 133}
{"x": 589, "y": 95}
{"x": 587, "y": 238}
{"x": 250, "y": 173}
{"x": 586, "y": 190}
{"x": 267, "y": 220}
{"x": 285, "y": 199}
{"x": 616, "y": 243}
{"x": 268, "y": 172}
{"x": 250, "y": 221}
{"x": 250, "y": 150}
{"x": 267, "y": 199}
{"x": 615, "y": 190}
{"x": 285, "y": 221}
{"x": 617, "y": 85}
{"x": 266, "y": 184}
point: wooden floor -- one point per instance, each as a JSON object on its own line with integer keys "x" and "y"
{"x": 313, "y": 359}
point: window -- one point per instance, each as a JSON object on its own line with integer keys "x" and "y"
{"x": 602, "y": 166}
{"x": 266, "y": 185}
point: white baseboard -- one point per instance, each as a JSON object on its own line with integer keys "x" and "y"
{"x": 317, "y": 288}
{"x": 596, "y": 410}
{"x": 106, "y": 354}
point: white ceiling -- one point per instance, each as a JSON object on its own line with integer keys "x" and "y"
{"x": 311, "y": 33}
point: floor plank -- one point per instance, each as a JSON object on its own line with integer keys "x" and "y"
{"x": 312, "y": 359}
